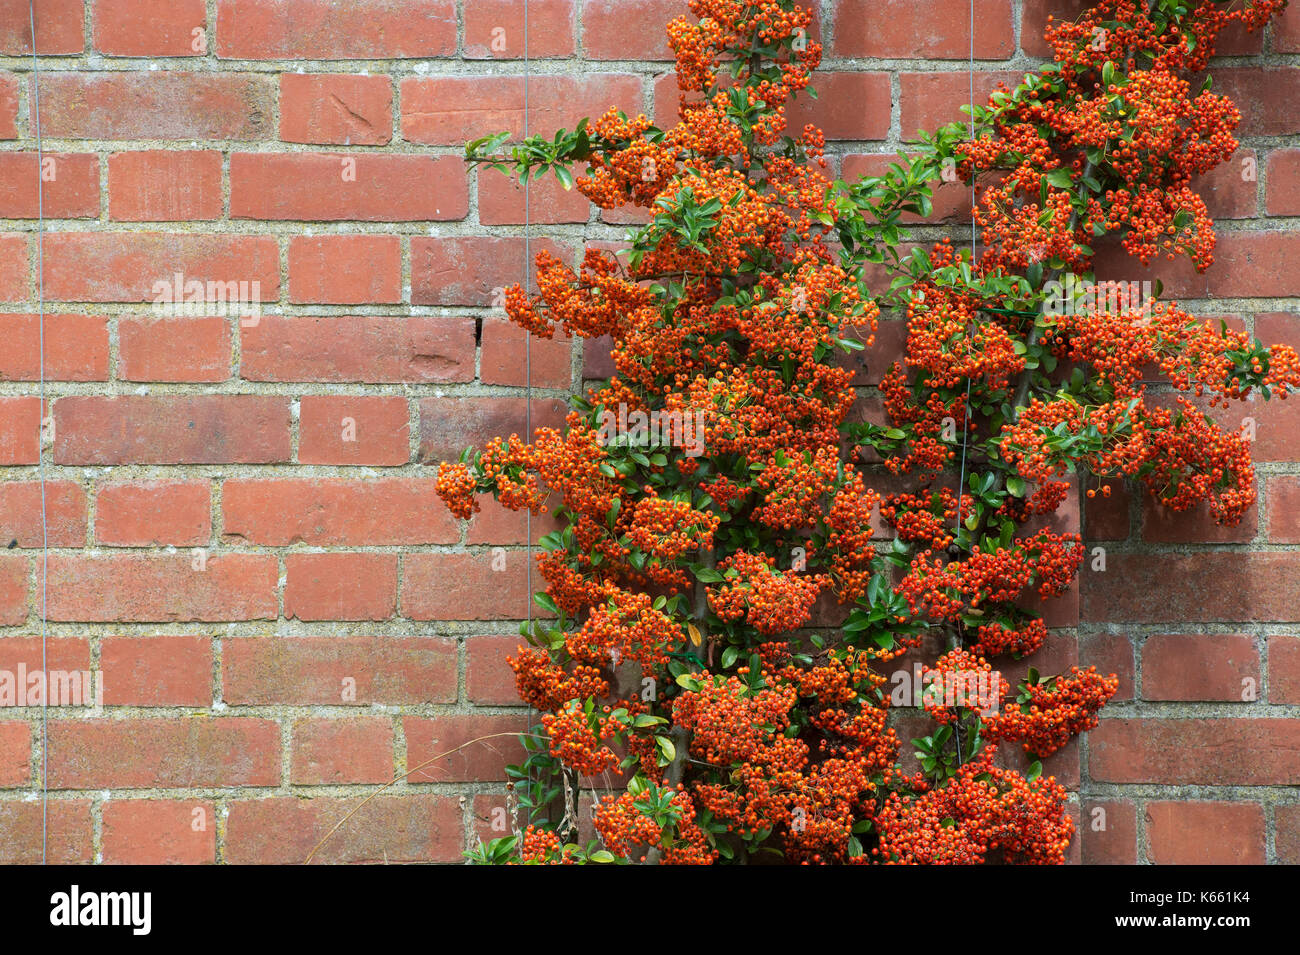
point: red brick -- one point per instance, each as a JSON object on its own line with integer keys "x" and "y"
{"x": 549, "y": 360}
{"x": 172, "y": 429}
{"x": 1108, "y": 832}
{"x": 1286, "y": 32}
{"x": 473, "y": 270}
{"x": 8, "y": 107}
{"x": 1220, "y": 586}
{"x": 354, "y": 429}
{"x": 336, "y": 109}
{"x": 1283, "y": 198}
{"x": 328, "y": 752}
{"x": 57, "y": 653}
{"x": 76, "y": 348}
{"x": 20, "y": 514}
{"x": 156, "y": 670}
{"x": 1226, "y": 191}
{"x": 1247, "y": 264}
{"x": 464, "y": 587}
{"x": 629, "y": 29}
{"x": 164, "y": 185}
{"x": 501, "y": 201}
{"x": 159, "y": 832}
{"x": 450, "y": 110}
{"x": 67, "y": 837}
{"x": 14, "y": 273}
{"x": 449, "y": 425}
{"x": 1205, "y": 833}
{"x": 158, "y": 104}
{"x": 1264, "y": 96}
{"x": 136, "y": 587}
{"x": 868, "y": 119}
{"x": 1106, "y": 517}
{"x": 488, "y": 677}
{"x": 323, "y": 30}
{"x": 494, "y": 29}
{"x": 340, "y": 586}
{"x": 1110, "y": 654}
{"x": 931, "y": 100}
{"x": 15, "y": 754}
{"x": 59, "y": 27}
{"x": 454, "y": 748}
{"x": 142, "y": 266}
{"x": 164, "y": 752}
{"x": 20, "y": 427}
{"x": 1287, "y": 834}
{"x": 898, "y": 29}
{"x": 174, "y": 349}
{"x": 283, "y": 830}
{"x": 1283, "y": 669}
{"x": 326, "y": 187}
{"x": 153, "y": 513}
{"x": 1197, "y": 751}
{"x": 365, "y": 348}
{"x": 150, "y": 27}
{"x": 1200, "y": 666}
{"x": 1195, "y": 526}
{"x": 359, "y": 670}
{"x": 69, "y": 188}
{"x": 14, "y": 572}
{"x": 495, "y": 524}
{"x": 328, "y": 511}
{"x": 345, "y": 269}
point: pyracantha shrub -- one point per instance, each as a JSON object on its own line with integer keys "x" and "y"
{"x": 692, "y": 664}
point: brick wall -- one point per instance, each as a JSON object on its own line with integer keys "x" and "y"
{"x": 243, "y": 537}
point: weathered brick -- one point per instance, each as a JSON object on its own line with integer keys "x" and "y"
{"x": 171, "y": 429}
{"x": 336, "y": 511}
{"x": 326, "y": 187}
{"x": 174, "y": 349}
{"x": 340, "y": 586}
{"x": 159, "y": 832}
{"x": 336, "y": 109}
{"x": 364, "y": 348}
{"x": 76, "y": 348}
{"x": 165, "y": 185}
{"x": 334, "y": 751}
{"x": 147, "y": 670}
{"x": 1200, "y": 666}
{"x": 162, "y": 752}
{"x": 354, "y": 429}
{"x": 69, "y": 187}
{"x": 462, "y": 748}
{"x": 145, "y": 588}
{"x": 1210, "y": 752}
{"x": 1205, "y": 833}
{"x": 345, "y": 269}
{"x": 359, "y": 670}
{"x": 151, "y": 27}
{"x": 284, "y": 830}
{"x": 322, "y": 30}
{"x": 158, "y": 104}
{"x": 150, "y": 513}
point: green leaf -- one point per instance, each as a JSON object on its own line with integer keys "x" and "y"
{"x": 1060, "y": 178}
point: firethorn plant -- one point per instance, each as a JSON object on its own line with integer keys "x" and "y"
{"x": 686, "y": 651}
